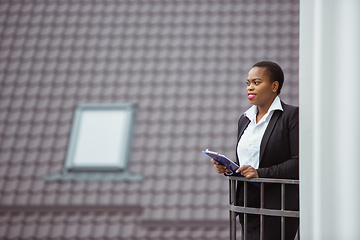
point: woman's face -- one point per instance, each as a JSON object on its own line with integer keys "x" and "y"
{"x": 261, "y": 91}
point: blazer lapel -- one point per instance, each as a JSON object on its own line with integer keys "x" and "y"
{"x": 244, "y": 122}
{"x": 268, "y": 132}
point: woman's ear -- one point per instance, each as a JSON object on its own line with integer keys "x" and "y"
{"x": 275, "y": 86}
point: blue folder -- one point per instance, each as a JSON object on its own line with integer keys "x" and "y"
{"x": 223, "y": 160}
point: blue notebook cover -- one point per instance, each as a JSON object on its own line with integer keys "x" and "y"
{"x": 223, "y": 160}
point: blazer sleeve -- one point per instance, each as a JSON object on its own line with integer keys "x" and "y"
{"x": 289, "y": 168}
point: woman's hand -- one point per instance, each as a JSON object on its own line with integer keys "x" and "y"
{"x": 220, "y": 168}
{"x": 248, "y": 171}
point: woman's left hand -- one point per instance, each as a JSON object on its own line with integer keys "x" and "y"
{"x": 248, "y": 171}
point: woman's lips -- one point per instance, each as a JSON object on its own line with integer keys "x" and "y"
{"x": 251, "y": 96}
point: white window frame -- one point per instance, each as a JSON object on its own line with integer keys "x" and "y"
{"x": 73, "y": 161}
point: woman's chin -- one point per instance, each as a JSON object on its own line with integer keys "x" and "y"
{"x": 252, "y": 101}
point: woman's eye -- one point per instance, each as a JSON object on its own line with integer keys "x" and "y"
{"x": 257, "y": 83}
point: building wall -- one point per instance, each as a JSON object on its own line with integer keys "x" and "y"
{"x": 184, "y": 63}
{"x": 329, "y": 54}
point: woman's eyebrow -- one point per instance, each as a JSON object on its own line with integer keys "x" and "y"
{"x": 254, "y": 79}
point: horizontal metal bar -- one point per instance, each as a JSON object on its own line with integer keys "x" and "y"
{"x": 268, "y": 212}
{"x": 265, "y": 180}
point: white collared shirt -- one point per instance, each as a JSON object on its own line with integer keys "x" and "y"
{"x": 248, "y": 149}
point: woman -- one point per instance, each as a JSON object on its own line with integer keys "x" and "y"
{"x": 267, "y": 147}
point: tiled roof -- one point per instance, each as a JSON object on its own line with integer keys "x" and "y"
{"x": 184, "y": 64}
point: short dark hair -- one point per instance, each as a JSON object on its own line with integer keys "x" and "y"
{"x": 275, "y": 72}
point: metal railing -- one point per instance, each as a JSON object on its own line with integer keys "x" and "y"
{"x": 262, "y": 211}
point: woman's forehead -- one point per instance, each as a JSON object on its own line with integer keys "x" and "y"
{"x": 257, "y": 72}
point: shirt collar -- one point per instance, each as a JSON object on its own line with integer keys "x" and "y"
{"x": 276, "y": 105}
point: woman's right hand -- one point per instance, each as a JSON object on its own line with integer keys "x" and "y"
{"x": 219, "y": 168}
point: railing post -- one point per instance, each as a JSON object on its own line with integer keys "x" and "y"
{"x": 245, "y": 214}
{"x": 282, "y": 208}
{"x": 261, "y": 207}
{"x": 232, "y": 190}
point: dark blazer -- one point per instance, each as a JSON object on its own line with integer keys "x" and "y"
{"x": 279, "y": 158}
{"x": 279, "y": 148}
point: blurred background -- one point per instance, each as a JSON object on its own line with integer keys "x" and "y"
{"x": 183, "y": 63}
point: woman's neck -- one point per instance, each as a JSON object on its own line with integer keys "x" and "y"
{"x": 262, "y": 110}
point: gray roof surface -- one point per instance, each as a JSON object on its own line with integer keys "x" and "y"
{"x": 184, "y": 63}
